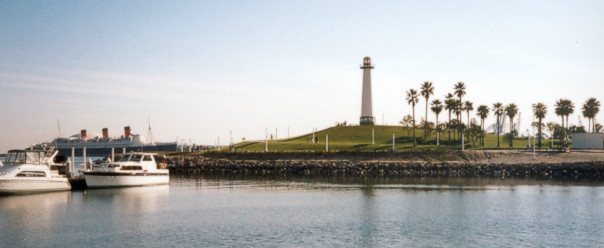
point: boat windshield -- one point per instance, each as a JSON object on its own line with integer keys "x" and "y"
{"x": 135, "y": 158}
{"x": 132, "y": 158}
{"x": 23, "y": 157}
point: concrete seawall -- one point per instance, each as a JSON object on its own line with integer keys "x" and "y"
{"x": 539, "y": 170}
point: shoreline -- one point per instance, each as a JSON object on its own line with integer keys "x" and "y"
{"x": 488, "y": 164}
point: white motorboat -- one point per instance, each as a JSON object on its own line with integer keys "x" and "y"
{"x": 30, "y": 171}
{"x": 132, "y": 169}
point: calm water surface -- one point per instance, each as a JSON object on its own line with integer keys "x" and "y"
{"x": 286, "y": 212}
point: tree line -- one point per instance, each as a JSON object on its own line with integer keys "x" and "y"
{"x": 455, "y": 105}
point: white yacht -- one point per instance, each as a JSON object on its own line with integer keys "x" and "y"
{"x": 30, "y": 171}
{"x": 131, "y": 169}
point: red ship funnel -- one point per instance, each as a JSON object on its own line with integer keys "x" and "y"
{"x": 105, "y": 133}
{"x": 83, "y": 134}
{"x": 127, "y": 131}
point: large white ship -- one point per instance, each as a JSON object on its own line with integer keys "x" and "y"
{"x": 98, "y": 146}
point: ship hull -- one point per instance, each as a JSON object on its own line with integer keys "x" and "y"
{"x": 112, "y": 180}
{"x": 103, "y": 151}
{"x": 24, "y": 186}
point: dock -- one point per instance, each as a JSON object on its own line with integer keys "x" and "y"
{"x": 77, "y": 183}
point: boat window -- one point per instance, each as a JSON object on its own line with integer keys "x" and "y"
{"x": 18, "y": 157}
{"x": 159, "y": 159}
{"x": 124, "y": 158}
{"x": 33, "y": 157}
{"x": 10, "y": 157}
{"x": 161, "y": 162}
{"x": 132, "y": 167}
{"x": 135, "y": 158}
{"x": 31, "y": 174}
{"x": 147, "y": 158}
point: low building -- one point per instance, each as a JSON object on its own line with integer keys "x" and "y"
{"x": 588, "y": 141}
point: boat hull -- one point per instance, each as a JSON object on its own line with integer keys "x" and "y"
{"x": 24, "y": 186}
{"x": 115, "y": 179}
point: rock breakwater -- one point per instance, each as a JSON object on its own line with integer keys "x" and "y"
{"x": 212, "y": 166}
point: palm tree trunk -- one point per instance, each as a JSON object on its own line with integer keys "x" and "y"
{"x": 449, "y": 128}
{"x": 482, "y": 129}
{"x": 426, "y": 123}
{"x": 511, "y": 132}
{"x": 498, "y": 134}
{"x": 539, "y": 138}
{"x": 563, "y": 131}
{"x": 437, "y": 131}
{"x": 414, "y": 125}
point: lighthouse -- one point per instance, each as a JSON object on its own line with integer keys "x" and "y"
{"x": 366, "y": 106}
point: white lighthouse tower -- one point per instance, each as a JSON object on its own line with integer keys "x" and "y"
{"x": 366, "y": 106}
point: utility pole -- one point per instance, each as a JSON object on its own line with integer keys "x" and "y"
{"x": 437, "y": 138}
{"x": 463, "y": 145}
{"x": 373, "y": 136}
{"x": 232, "y": 145}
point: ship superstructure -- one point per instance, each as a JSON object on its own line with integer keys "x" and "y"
{"x": 103, "y": 145}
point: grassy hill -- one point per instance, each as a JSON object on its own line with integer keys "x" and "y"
{"x": 358, "y": 138}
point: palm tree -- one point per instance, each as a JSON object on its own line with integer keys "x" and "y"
{"x": 569, "y": 107}
{"x": 591, "y": 107}
{"x": 597, "y": 127}
{"x": 498, "y": 110}
{"x": 482, "y": 112}
{"x": 412, "y": 99}
{"x": 468, "y": 106}
{"x": 587, "y": 114}
{"x": 564, "y": 108}
{"x": 460, "y": 91}
{"x": 560, "y": 111}
{"x": 450, "y": 106}
{"x": 539, "y": 110}
{"x": 458, "y": 108}
{"x": 426, "y": 90}
{"x": 437, "y": 107}
{"x": 511, "y": 111}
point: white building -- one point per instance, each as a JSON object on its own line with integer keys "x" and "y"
{"x": 588, "y": 141}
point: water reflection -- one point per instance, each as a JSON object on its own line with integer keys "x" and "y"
{"x": 302, "y": 211}
{"x": 368, "y": 217}
{"x": 130, "y": 199}
{"x": 31, "y": 212}
{"x": 409, "y": 183}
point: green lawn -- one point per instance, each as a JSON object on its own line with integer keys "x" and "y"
{"x": 358, "y": 138}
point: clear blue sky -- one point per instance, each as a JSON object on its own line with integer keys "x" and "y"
{"x": 201, "y": 68}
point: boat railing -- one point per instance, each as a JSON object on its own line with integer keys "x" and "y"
{"x": 71, "y": 165}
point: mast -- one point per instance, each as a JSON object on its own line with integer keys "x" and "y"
{"x": 150, "y": 133}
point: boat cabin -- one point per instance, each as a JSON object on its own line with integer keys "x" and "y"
{"x": 141, "y": 161}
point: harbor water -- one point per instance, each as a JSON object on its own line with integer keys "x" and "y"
{"x": 311, "y": 212}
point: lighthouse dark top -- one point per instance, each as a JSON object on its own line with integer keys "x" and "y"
{"x": 366, "y": 103}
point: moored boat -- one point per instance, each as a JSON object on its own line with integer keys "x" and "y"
{"x": 131, "y": 169}
{"x": 31, "y": 171}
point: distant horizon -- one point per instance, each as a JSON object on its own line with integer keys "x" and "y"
{"x": 198, "y": 70}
